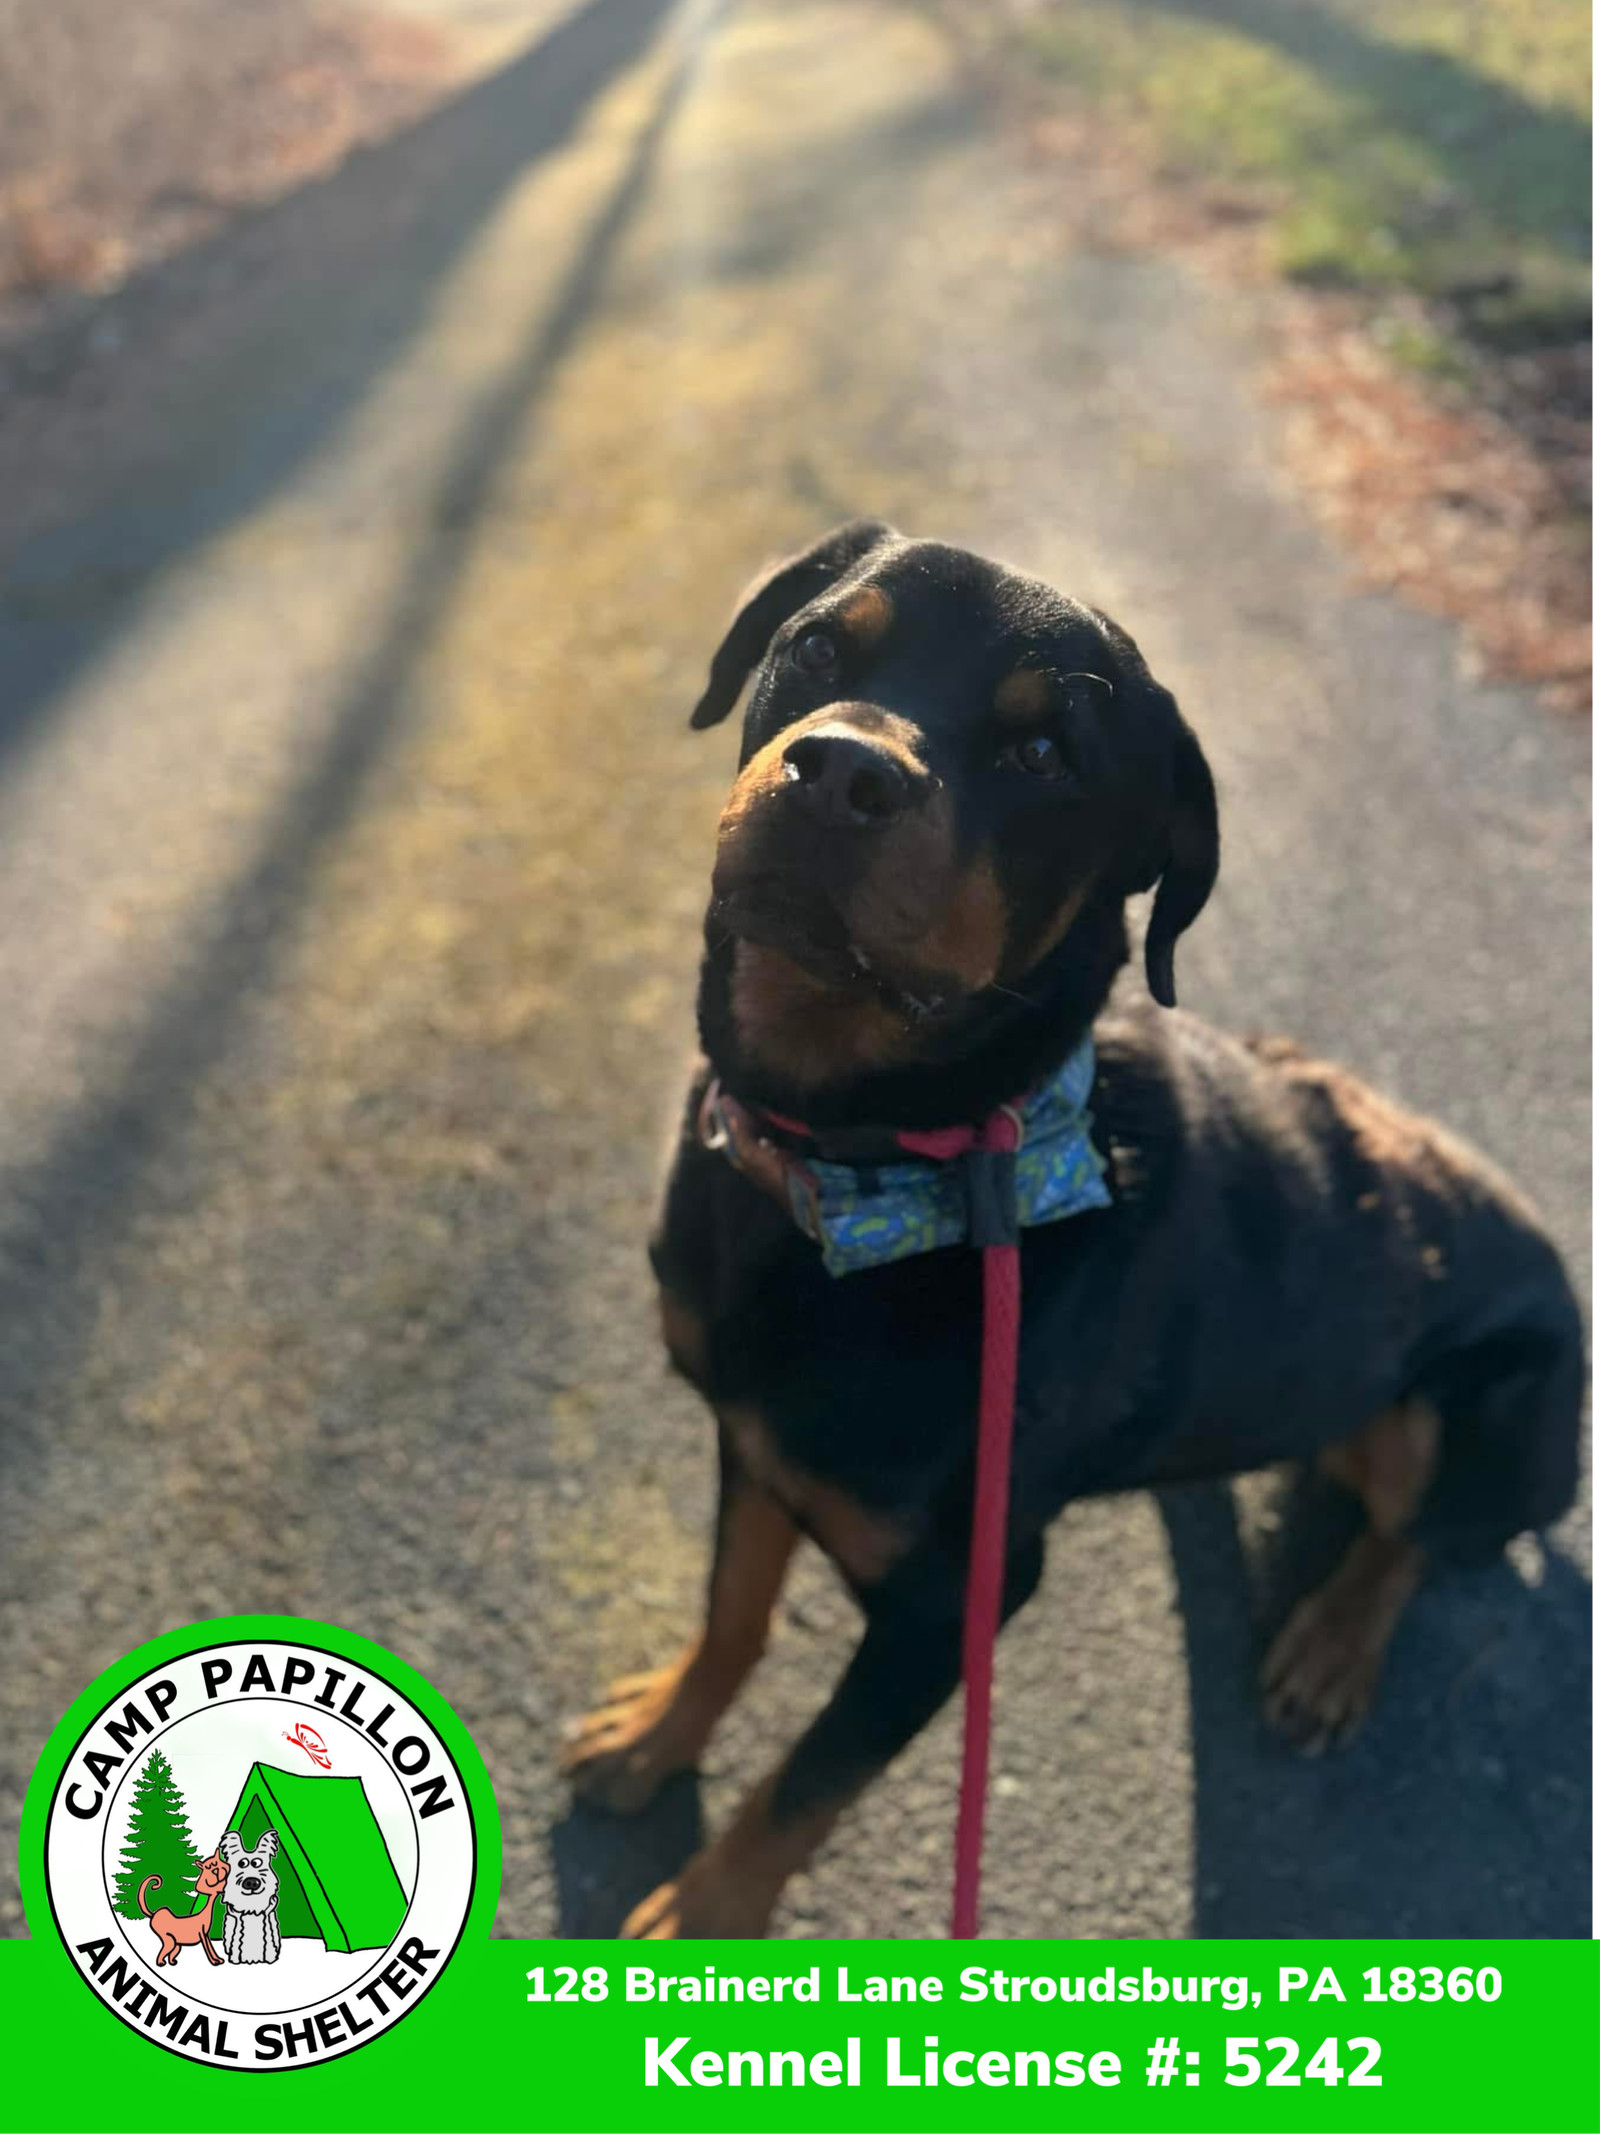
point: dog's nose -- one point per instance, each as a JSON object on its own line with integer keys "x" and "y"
{"x": 846, "y": 779}
{"x": 249, "y": 1884}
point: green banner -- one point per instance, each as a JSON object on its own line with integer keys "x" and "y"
{"x": 260, "y": 1862}
{"x": 1454, "y": 2036}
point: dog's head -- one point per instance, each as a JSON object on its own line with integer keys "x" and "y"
{"x": 213, "y": 1876}
{"x": 946, "y": 769}
{"x": 252, "y": 1878}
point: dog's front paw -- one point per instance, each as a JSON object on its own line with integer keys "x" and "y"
{"x": 1323, "y": 1668}
{"x": 649, "y": 1727}
{"x": 707, "y": 1902}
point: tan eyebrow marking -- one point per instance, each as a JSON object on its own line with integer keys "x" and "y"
{"x": 867, "y": 614}
{"x": 1027, "y": 693}
{"x": 1023, "y": 695}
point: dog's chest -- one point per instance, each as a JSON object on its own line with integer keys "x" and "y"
{"x": 866, "y": 1543}
{"x": 251, "y": 1945}
{"x": 864, "y": 1383}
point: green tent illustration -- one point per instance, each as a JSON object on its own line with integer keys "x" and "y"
{"x": 336, "y": 1881}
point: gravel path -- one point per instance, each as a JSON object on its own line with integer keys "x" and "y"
{"x": 353, "y": 848}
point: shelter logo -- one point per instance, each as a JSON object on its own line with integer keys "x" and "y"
{"x": 236, "y": 1902}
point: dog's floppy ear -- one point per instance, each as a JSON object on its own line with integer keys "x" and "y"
{"x": 267, "y": 1843}
{"x": 230, "y": 1848}
{"x": 771, "y": 600}
{"x": 1189, "y": 867}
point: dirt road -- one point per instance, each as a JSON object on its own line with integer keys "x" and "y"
{"x": 352, "y": 850}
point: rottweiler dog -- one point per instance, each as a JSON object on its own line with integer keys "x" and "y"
{"x": 952, "y": 780}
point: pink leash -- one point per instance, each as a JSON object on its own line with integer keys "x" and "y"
{"x": 994, "y": 1229}
{"x": 986, "y": 1562}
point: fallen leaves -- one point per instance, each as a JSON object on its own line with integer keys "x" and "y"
{"x": 1447, "y": 500}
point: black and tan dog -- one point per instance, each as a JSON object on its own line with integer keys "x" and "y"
{"x": 952, "y": 780}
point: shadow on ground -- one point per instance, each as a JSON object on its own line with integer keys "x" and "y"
{"x": 1414, "y": 85}
{"x": 1379, "y": 1839}
{"x": 369, "y": 246}
{"x": 606, "y": 1864}
{"x": 75, "y": 1186}
{"x": 1458, "y": 1764}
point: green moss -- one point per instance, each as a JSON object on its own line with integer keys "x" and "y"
{"x": 1419, "y": 346}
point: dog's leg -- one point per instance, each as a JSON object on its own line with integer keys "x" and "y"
{"x": 905, "y": 1667}
{"x": 1323, "y": 1667}
{"x": 651, "y": 1725}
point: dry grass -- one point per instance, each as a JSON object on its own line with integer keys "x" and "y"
{"x": 126, "y": 132}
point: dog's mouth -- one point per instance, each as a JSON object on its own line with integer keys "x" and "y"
{"x": 813, "y": 935}
{"x": 249, "y": 1886}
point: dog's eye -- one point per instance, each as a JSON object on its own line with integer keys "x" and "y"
{"x": 815, "y": 652}
{"x": 1038, "y": 755}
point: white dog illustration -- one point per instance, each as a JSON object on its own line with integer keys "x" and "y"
{"x": 251, "y": 1934}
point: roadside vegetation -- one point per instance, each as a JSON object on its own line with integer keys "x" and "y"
{"x": 1430, "y": 148}
{"x": 1415, "y": 175}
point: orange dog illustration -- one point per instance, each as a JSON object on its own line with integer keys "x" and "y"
{"x": 175, "y": 1932}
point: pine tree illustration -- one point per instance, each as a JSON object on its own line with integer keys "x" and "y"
{"x": 158, "y": 1843}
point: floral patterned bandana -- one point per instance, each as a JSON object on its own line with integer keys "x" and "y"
{"x": 868, "y": 1214}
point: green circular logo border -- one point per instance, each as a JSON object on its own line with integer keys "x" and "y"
{"x": 338, "y": 1643}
